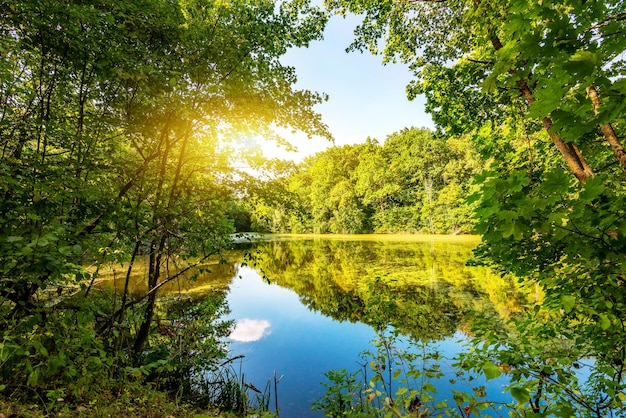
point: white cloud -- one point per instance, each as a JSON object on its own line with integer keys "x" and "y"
{"x": 248, "y": 330}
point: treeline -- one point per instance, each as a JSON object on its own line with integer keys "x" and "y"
{"x": 415, "y": 181}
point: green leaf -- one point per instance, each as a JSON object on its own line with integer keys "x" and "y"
{"x": 521, "y": 395}
{"x": 593, "y": 188}
{"x": 429, "y": 388}
{"x": 557, "y": 182}
{"x": 514, "y": 229}
{"x": 473, "y": 198}
{"x": 581, "y": 68}
{"x": 489, "y": 84}
{"x": 491, "y": 370}
{"x": 604, "y": 322}
{"x": 568, "y": 302}
{"x": 586, "y": 56}
{"x": 33, "y": 378}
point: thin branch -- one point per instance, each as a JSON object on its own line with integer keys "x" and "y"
{"x": 607, "y": 129}
{"x": 617, "y": 17}
{"x": 163, "y": 283}
{"x": 574, "y": 159}
{"x": 480, "y": 61}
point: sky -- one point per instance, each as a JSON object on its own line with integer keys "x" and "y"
{"x": 366, "y": 98}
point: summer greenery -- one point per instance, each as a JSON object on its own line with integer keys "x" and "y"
{"x": 118, "y": 141}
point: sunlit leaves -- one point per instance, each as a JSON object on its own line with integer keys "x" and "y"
{"x": 491, "y": 370}
{"x": 568, "y": 302}
{"x": 107, "y": 103}
{"x": 415, "y": 181}
{"x": 115, "y": 118}
{"x": 604, "y": 322}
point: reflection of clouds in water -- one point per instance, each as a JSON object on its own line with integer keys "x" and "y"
{"x": 248, "y": 330}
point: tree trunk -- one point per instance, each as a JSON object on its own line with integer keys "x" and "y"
{"x": 570, "y": 152}
{"x": 607, "y": 129}
{"x": 154, "y": 272}
{"x": 156, "y": 251}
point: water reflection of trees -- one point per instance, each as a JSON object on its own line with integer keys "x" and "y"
{"x": 424, "y": 289}
{"x": 216, "y": 274}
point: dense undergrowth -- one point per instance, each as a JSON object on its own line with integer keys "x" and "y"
{"x": 55, "y": 362}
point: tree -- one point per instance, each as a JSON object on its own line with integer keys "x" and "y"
{"x": 396, "y": 187}
{"x": 377, "y": 184}
{"x": 323, "y": 180}
{"x": 122, "y": 95}
{"x": 556, "y": 57}
{"x": 115, "y": 124}
{"x": 540, "y": 88}
{"x": 403, "y": 179}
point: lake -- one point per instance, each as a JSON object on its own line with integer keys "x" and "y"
{"x": 304, "y": 305}
{"x": 307, "y": 305}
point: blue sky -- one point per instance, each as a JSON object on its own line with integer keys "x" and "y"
{"x": 366, "y": 98}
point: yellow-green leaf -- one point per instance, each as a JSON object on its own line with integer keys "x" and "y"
{"x": 491, "y": 370}
{"x": 568, "y": 302}
{"x": 604, "y": 322}
{"x": 521, "y": 395}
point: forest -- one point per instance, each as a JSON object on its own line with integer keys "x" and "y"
{"x": 120, "y": 140}
{"x": 416, "y": 181}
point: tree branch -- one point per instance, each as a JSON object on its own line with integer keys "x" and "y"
{"x": 617, "y": 17}
{"x": 480, "y": 61}
{"x": 574, "y": 159}
{"x": 153, "y": 290}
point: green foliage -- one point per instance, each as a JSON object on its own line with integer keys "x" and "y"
{"x": 186, "y": 346}
{"x": 241, "y": 218}
{"x": 224, "y": 387}
{"x": 414, "y": 182}
{"x": 118, "y": 119}
{"x": 539, "y": 88}
{"x": 54, "y": 358}
{"x": 555, "y": 375}
{"x": 114, "y": 115}
{"x": 344, "y": 396}
{"x": 391, "y": 382}
{"x": 570, "y": 238}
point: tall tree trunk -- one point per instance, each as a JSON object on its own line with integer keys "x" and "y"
{"x": 570, "y": 152}
{"x": 120, "y": 313}
{"x": 156, "y": 250}
{"x": 154, "y": 273}
{"x": 607, "y": 129}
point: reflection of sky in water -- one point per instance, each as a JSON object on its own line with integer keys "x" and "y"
{"x": 302, "y": 344}
{"x": 248, "y": 330}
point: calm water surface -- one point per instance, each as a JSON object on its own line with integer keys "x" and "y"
{"x": 309, "y": 305}
{"x": 306, "y": 305}
{"x": 276, "y": 332}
